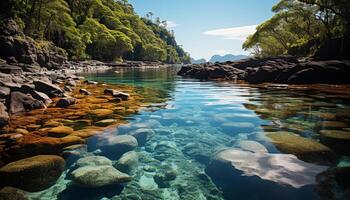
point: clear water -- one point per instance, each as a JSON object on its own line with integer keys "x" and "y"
{"x": 192, "y": 120}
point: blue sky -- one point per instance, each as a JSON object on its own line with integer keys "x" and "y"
{"x": 208, "y": 27}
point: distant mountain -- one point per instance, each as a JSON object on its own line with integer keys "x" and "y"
{"x": 199, "y": 61}
{"x": 228, "y": 57}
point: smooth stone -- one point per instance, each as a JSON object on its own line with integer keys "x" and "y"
{"x": 118, "y": 145}
{"x": 33, "y": 174}
{"x": 60, "y": 131}
{"x": 98, "y": 176}
{"x": 52, "y": 123}
{"x": 127, "y": 162}
{"x": 100, "y": 113}
{"x": 94, "y": 161}
{"x": 65, "y": 102}
{"x": 147, "y": 183}
{"x": 252, "y": 146}
{"x": 106, "y": 122}
{"x": 10, "y": 193}
{"x": 331, "y": 124}
{"x": 142, "y": 135}
{"x": 305, "y": 149}
{"x": 285, "y": 169}
{"x": 22, "y": 131}
{"x": 336, "y": 134}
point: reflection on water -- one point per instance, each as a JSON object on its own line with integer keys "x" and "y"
{"x": 190, "y": 121}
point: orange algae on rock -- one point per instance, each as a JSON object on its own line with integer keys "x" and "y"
{"x": 53, "y": 128}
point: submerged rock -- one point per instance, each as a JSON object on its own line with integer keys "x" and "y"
{"x": 60, "y": 131}
{"x": 118, "y": 145}
{"x": 98, "y": 176}
{"x": 337, "y": 140}
{"x": 285, "y": 169}
{"x": 305, "y": 149}
{"x": 127, "y": 162}
{"x": 101, "y": 113}
{"x": 33, "y": 174}
{"x": 106, "y": 122}
{"x": 94, "y": 161}
{"x": 84, "y": 92}
{"x": 142, "y": 135}
{"x": 10, "y": 193}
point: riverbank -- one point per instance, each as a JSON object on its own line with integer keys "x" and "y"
{"x": 280, "y": 70}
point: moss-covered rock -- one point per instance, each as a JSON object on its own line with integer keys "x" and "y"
{"x": 305, "y": 149}
{"x": 60, "y": 131}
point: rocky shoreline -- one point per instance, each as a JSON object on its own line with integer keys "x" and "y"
{"x": 280, "y": 70}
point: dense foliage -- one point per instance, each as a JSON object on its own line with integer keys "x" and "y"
{"x": 97, "y": 29}
{"x": 303, "y": 27}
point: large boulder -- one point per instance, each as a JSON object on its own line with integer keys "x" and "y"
{"x": 33, "y": 174}
{"x": 118, "y": 145}
{"x": 21, "y": 103}
{"x": 98, "y": 176}
{"x": 4, "y": 116}
{"x": 305, "y": 149}
{"x": 49, "y": 89}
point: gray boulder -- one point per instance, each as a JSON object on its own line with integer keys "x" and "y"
{"x": 98, "y": 176}
{"x": 49, "y": 89}
{"x": 21, "y": 103}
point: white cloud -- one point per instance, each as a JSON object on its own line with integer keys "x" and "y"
{"x": 235, "y": 33}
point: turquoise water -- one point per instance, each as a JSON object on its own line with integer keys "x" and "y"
{"x": 192, "y": 120}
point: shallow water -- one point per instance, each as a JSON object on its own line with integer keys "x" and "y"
{"x": 192, "y": 120}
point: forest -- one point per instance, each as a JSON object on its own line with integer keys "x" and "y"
{"x": 318, "y": 28}
{"x": 105, "y": 30}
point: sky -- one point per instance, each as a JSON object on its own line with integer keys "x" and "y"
{"x": 208, "y": 27}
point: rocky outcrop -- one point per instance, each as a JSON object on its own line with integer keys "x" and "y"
{"x": 33, "y": 174}
{"x": 283, "y": 69}
{"x": 33, "y": 56}
{"x": 4, "y": 116}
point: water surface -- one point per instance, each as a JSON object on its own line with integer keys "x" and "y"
{"x": 193, "y": 119}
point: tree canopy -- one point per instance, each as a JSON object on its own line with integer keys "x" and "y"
{"x": 98, "y": 29}
{"x": 302, "y": 27}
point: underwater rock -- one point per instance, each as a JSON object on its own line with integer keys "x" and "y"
{"x": 52, "y": 123}
{"x": 106, "y": 122}
{"x": 94, "y": 161}
{"x": 334, "y": 183}
{"x": 142, "y": 135}
{"x": 22, "y": 131}
{"x": 33, "y": 174}
{"x": 285, "y": 169}
{"x": 60, "y": 131}
{"x": 305, "y": 149}
{"x": 338, "y": 140}
{"x": 101, "y": 113}
{"x": 10, "y": 193}
{"x": 163, "y": 179}
{"x": 252, "y": 146}
{"x": 65, "y": 102}
{"x": 114, "y": 93}
{"x": 116, "y": 146}
{"x": 127, "y": 162}
{"x": 331, "y": 124}
{"x": 98, "y": 176}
